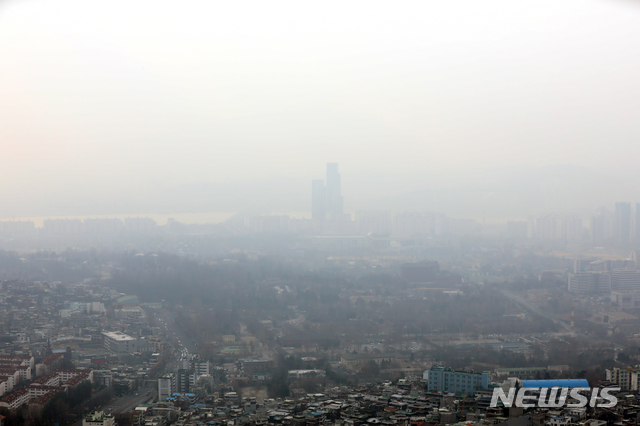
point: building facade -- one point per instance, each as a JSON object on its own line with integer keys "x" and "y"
{"x": 626, "y": 378}
{"x": 625, "y": 280}
{"x": 440, "y": 379}
{"x": 334, "y": 190}
{"x": 167, "y": 386}
{"x": 589, "y": 282}
{"x": 98, "y": 418}
{"x": 121, "y": 343}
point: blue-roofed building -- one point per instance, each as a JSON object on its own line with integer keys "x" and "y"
{"x": 440, "y": 379}
{"x": 560, "y": 383}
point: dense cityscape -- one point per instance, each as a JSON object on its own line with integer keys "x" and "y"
{"x": 403, "y": 318}
{"x": 351, "y": 213}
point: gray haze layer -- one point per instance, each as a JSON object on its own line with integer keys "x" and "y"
{"x": 498, "y": 108}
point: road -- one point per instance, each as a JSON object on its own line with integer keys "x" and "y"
{"x": 128, "y": 402}
{"x": 536, "y": 309}
{"x": 167, "y": 323}
{"x": 172, "y": 330}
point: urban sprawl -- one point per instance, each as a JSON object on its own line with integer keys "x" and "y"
{"x": 383, "y": 318}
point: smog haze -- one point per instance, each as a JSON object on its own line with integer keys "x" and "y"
{"x": 469, "y": 108}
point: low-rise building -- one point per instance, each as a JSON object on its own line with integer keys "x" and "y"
{"x": 49, "y": 364}
{"x": 626, "y": 299}
{"x": 121, "y": 343}
{"x": 521, "y": 372}
{"x": 98, "y": 418}
{"x": 23, "y": 360}
{"x": 51, "y": 384}
{"x": 22, "y": 372}
{"x": 354, "y": 360}
{"x": 440, "y": 379}
{"x": 257, "y": 366}
{"x": 300, "y": 374}
{"x": 129, "y": 313}
{"x": 15, "y": 400}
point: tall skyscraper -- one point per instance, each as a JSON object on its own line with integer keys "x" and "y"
{"x": 637, "y": 222}
{"x": 318, "y": 200}
{"x": 334, "y": 190}
{"x": 623, "y": 223}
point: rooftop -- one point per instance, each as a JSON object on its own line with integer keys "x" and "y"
{"x": 97, "y": 416}
{"x": 522, "y": 369}
{"x": 116, "y": 335}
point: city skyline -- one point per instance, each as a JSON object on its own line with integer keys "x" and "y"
{"x": 319, "y": 213}
{"x": 452, "y": 101}
{"x": 534, "y": 192}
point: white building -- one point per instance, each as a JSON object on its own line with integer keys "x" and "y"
{"x": 129, "y": 313}
{"x": 200, "y": 367}
{"x": 121, "y": 343}
{"x": 625, "y": 280}
{"x": 167, "y": 385}
{"x": 626, "y": 378}
{"x": 298, "y": 374}
{"x": 94, "y": 308}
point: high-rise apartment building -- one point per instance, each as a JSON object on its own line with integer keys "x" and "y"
{"x": 103, "y": 226}
{"x": 376, "y": 222}
{"x": 637, "y": 222}
{"x": 318, "y": 200}
{"x": 17, "y": 228}
{"x": 410, "y": 224}
{"x": 333, "y": 190}
{"x": 140, "y": 224}
{"x": 572, "y": 229}
{"x": 62, "y": 226}
{"x": 623, "y": 223}
{"x": 602, "y": 226}
{"x": 548, "y": 228}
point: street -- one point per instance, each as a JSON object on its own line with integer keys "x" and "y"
{"x": 167, "y": 323}
{"x": 535, "y": 309}
{"x": 127, "y": 402}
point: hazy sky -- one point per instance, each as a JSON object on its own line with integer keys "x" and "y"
{"x": 108, "y": 100}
